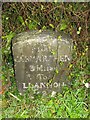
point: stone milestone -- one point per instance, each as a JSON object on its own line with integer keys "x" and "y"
{"x": 41, "y": 59}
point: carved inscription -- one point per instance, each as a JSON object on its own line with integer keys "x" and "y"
{"x": 36, "y": 58}
{"x": 44, "y": 85}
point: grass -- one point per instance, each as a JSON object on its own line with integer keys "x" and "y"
{"x": 69, "y": 104}
{"x": 73, "y": 101}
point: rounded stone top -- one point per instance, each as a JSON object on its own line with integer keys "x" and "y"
{"x": 37, "y": 55}
{"x": 37, "y": 34}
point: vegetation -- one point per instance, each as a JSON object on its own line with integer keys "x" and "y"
{"x": 72, "y": 18}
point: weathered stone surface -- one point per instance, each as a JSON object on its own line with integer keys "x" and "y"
{"x": 37, "y": 57}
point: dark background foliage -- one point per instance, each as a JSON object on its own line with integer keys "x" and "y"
{"x": 71, "y": 18}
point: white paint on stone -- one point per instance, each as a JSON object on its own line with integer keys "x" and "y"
{"x": 34, "y": 62}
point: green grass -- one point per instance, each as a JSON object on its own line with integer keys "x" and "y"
{"x": 72, "y": 102}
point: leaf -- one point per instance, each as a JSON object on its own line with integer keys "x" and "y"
{"x": 63, "y": 25}
{"x": 32, "y": 25}
{"x": 44, "y": 27}
{"x": 79, "y": 30}
{"x": 50, "y": 103}
{"x": 70, "y": 66}
{"x": 56, "y": 71}
{"x": 20, "y": 19}
{"x": 49, "y": 113}
{"x": 51, "y": 25}
{"x": 4, "y": 88}
{"x": 59, "y": 37}
{"x": 42, "y": 7}
{"x": 53, "y": 52}
{"x": 9, "y": 38}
